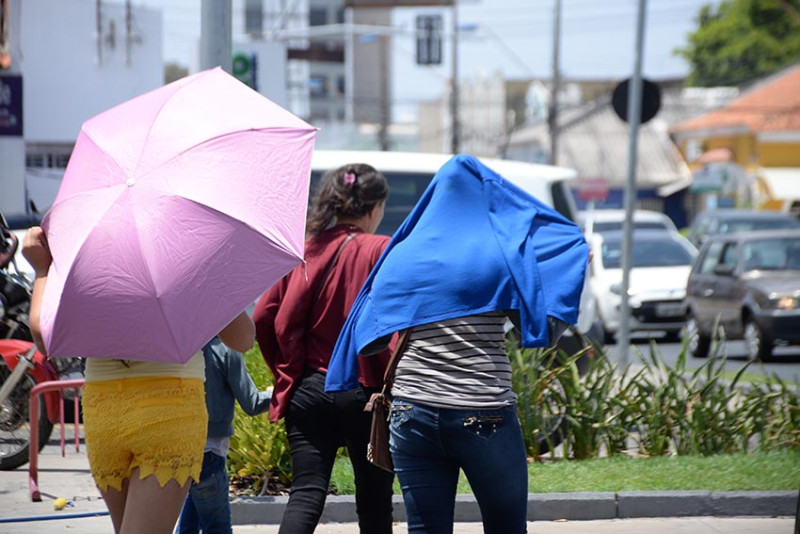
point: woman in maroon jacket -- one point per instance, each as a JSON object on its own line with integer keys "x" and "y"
{"x": 297, "y": 324}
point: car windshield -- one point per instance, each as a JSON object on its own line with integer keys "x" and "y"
{"x": 772, "y": 254}
{"x": 647, "y": 253}
{"x": 610, "y": 226}
{"x": 747, "y": 225}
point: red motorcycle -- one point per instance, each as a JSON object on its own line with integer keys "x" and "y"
{"x": 22, "y": 368}
{"x": 21, "y": 365}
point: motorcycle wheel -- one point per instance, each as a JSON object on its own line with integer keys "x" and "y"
{"x": 15, "y": 433}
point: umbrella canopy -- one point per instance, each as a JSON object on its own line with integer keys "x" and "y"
{"x": 177, "y": 210}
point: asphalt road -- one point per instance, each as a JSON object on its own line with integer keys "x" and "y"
{"x": 784, "y": 365}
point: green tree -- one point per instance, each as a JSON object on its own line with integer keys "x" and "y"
{"x": 174, "y": 71}
{"x": 742, "y": 40}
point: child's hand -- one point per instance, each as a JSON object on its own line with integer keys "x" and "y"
{"x": 36, "y": 250}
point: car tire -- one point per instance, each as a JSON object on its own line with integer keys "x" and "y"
{"x": 759, "y": 345}
{"x": 672, "y": 336}
{"x": 698, "y": 343}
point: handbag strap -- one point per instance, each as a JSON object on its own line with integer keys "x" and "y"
{"x": 391, "y": 366}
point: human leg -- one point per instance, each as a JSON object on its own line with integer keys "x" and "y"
{"x": 208, "y": 506}
{"x": 141, "y": 427}
{"x": 488, "y": 446}
{"x": 313, "y": 442}
{"x": 115, "y": 501}
{"x": 150, "y": 507}
{"x": 373, "y": 485}
{"x": 427, "y": 475}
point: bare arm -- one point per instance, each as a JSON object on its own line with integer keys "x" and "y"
{"x": 240, "y": 333}
{"x": 36, "y": 251}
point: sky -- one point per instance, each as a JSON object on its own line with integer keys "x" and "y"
{"x": 514, "y": 37}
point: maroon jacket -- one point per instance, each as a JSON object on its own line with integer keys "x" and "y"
{"x": 294, "y": 333}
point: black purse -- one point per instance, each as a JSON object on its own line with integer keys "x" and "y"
{"x": 379, "y": 404}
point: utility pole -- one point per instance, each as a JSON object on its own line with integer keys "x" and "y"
{"x": 456, "y": 126}
{"x": 215, "y": 35}
{"x": 552, "y": 114}
{"x": 634, "y": 118}
{"x": 383, "y": 132}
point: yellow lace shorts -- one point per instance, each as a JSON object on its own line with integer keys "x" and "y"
{"x": 156, "y": 424}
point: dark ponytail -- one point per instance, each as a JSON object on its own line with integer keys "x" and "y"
{"x": 351, "y": 191}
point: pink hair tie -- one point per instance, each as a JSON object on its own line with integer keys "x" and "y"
{"x": 349, "y": 178}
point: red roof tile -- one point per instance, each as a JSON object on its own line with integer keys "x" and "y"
{"x": 772, "y": 106}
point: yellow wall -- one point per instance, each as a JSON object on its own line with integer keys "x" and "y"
{"x": 743, "y": 147}
{"x": 779, "y": 154}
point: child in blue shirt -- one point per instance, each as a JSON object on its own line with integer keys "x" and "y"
{"x": 207, "y": 507}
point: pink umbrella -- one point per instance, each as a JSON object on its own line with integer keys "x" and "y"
{"x": 177, "y": 210}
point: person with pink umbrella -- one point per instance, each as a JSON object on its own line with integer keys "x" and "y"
{"x": 145, "y": 422}
{"x": 176, "y": 210}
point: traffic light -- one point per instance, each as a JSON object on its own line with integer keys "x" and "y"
{"x": 429, "y": 40}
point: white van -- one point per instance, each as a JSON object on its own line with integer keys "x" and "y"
{"x": 409, "y": 174}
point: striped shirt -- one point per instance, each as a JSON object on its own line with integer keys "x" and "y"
{"x": 458, "y": 363}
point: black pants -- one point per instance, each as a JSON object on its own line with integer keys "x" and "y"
{"x": 317, "y": 424}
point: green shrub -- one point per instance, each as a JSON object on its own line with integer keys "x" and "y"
{"x": 259, "y": 449}
{"x": 666, "y": 410}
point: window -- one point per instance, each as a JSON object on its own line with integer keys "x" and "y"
{"x": 317, "y": 16}
{"x": 254, "y": 16}
{"x": 729, "y": 255}
{"x": 318, "y": 86}
{"x": 711, "y": 258}
{"x": 405, "y": 189}
{"x": 646, "y": 253}
{"x": 34, "y": 160}
{"x": 562, "y": 200}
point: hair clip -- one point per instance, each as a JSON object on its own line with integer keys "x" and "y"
{"x": 349, "y": 178}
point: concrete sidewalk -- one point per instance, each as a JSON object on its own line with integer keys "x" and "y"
{"x": 562, "y": 513}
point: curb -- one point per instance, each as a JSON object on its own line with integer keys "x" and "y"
{"x": 553, "y": 506}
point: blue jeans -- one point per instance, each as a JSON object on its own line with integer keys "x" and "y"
{"x": 207, "y": 507}
{"x": 429, "y": 445}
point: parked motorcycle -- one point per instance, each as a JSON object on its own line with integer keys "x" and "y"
{"x": 21, "y": 365}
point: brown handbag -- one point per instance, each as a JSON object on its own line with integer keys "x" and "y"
{"x": 379, "y": 404}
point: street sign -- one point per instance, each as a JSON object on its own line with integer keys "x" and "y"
{"x": 651, "y": 100}
{"x": 11, "y": 105}
{"x": 245, "y": 69}
{"x": 593, "y": 189}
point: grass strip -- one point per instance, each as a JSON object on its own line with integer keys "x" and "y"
{"x": 739, "y": 472}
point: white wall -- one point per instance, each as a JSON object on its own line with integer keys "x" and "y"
{"x": 12, "y": 149}
{"x": 65, "y": 81}
{"x": 271, "y": 68}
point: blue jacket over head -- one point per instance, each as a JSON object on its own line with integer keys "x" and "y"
{"x": 474, "y": 243}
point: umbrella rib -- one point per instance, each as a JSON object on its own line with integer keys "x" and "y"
{"x": 158, "y": 114}
{"x": 222, "y": 136}
{"x": 156, "y": 294}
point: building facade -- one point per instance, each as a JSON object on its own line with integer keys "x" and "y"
{"x": 73, "y": 59}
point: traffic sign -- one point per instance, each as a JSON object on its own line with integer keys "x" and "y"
{"x": 593, "y": 189}
{"x": 651, "y": 100}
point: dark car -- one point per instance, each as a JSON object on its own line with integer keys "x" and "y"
{"x": 728, "y": 221}
{"x": 749, "y": 285}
